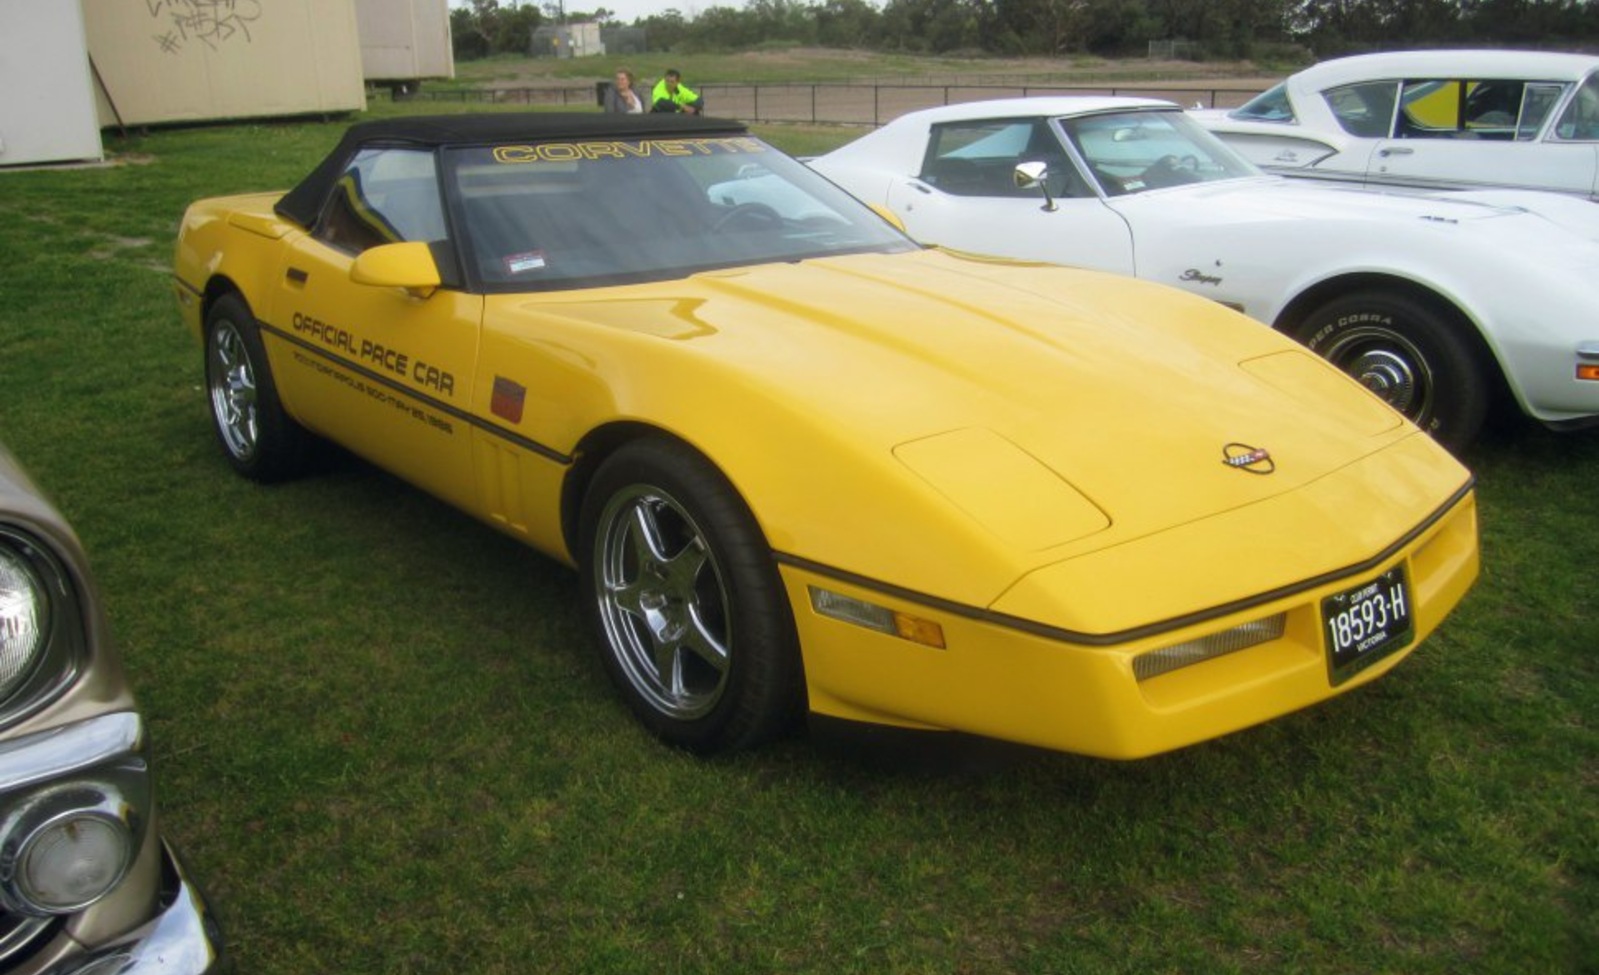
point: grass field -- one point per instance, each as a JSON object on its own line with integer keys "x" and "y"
{"x": 384, "y": 742}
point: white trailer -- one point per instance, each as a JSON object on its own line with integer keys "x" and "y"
{"x": 405, "y": 41}
{"x": 198, "y": 60}
{"x": 47, "y": 107}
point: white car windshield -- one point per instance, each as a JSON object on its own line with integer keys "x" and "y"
{"x": 1133, "y": 152}
{"x": 557, "y": 215}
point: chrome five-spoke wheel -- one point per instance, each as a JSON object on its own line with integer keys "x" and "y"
{"x": 257, "y": 436}
{"x": 662, "y": 602}
{"x": 694, "y": 625}
{"x": 232, "y": 379}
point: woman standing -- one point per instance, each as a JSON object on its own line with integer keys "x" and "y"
{"x": 621, "y": 97}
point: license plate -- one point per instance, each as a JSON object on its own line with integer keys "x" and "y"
{"x": 1366, "y": 623}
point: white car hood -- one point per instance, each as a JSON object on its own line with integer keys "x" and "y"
{"x": 1272, "y": 197}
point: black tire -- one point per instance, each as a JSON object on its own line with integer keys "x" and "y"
{"x": 693, "y": 623}
{"x": 1424, "y": 364}
{"x": 257, "y": 437}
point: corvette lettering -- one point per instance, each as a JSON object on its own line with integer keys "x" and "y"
{"x": 582, "y": 151}
{"x": 1198, "y": 277}
{"x": 382, "y": 357}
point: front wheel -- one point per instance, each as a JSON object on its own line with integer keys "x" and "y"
{"x": 693, "y": 623}
{"x": 1420, "y": 362}
{"x": 258, "y": 438}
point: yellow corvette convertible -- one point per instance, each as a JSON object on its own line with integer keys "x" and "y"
{"x": 803, "y": 463}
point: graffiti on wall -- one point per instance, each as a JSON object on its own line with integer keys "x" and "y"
{"x": 184, "y": 23}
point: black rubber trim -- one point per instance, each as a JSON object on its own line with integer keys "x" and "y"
{"x": 1138, "y": 632}
{"x": 454, "y": 412}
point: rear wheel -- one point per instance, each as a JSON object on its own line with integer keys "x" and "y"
{"x": 258, "y": 438}
{"x": 1424, "y": 364}
{"x": 693, "y": 623}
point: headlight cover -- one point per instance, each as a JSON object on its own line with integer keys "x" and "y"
{"x": 24, "y": 618}
{"x": 41, "y": 627}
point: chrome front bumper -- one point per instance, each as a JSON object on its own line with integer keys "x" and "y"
{"x": 181, "y": 937}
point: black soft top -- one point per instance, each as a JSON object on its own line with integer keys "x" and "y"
{"x": 304, "y": 202}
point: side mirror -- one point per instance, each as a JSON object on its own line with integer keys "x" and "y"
{"x": 409, "y": 265}
{"x": 1030, "y": 174}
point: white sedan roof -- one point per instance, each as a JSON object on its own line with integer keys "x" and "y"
{"x": 1042, "y": 105}
{"x": 1474, "y": 64}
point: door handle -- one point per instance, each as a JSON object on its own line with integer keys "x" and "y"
{"x": 297, "y": 276}
{"x": 1396, "y": 151}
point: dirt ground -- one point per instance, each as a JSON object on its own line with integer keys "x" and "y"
{"x": 826, "y": 65}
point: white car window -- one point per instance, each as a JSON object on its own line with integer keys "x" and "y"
{"x": 1580, "y": 123}
{"x": 1461, "y": 109}
{"x": 1271, "y": 105}
{"x": 1536, "y": 104}
{"x": 978, "y": 158}
{"x": 1366, "y": 109}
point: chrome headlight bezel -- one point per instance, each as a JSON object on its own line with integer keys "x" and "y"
{"x": 57, "y": 654}
{"x": 36, "y": 879}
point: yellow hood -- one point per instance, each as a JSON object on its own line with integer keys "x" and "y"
{"x": 950, "y": 424}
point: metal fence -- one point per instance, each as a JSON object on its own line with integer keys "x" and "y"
{"x": 842, "y": 103}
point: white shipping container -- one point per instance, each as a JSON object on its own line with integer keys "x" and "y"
{"x": 195, "y": 60}
{"x": 46, "y": 94}
{"x": 405, "y": 41}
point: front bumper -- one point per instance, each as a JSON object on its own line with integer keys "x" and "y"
{"x": 153, "y": 920}
{"x": 183, "y": 939}
{"x": 994, "y": 678}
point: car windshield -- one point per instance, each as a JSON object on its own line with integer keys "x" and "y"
{"x": 1133, "y": 152}
{"x": 556, "y": 215}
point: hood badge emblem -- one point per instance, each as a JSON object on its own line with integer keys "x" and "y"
{"x": 1255, "y": 460}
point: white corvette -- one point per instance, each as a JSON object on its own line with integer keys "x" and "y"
{"x": 1426, "y": 300}
{"x": 1432, "y": 119}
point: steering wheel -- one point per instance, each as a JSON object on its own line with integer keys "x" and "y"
{"x": 1171, "y": 170}
{"x": 757, "y": 216}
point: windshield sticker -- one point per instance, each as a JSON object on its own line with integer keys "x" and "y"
{"x": 522, "y": 263}
{"x": 579, "y": 151}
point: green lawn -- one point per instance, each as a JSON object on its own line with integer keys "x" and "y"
{"x": 385, "y": 743}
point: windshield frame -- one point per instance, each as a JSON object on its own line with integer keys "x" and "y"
{"x": 602, "y": 202}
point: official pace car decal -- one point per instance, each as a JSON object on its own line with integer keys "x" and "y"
{"x": 316, "y": 337}
{"x": 390, "y": 360}
{"x": 566, "y": 152}
{"x": 374, "y": 390}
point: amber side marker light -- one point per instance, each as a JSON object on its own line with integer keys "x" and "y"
{"x": 1588, "y": 361}
{"x": 874, "y": 617}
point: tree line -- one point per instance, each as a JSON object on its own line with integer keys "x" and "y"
{"x": 1213, "y": 28}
